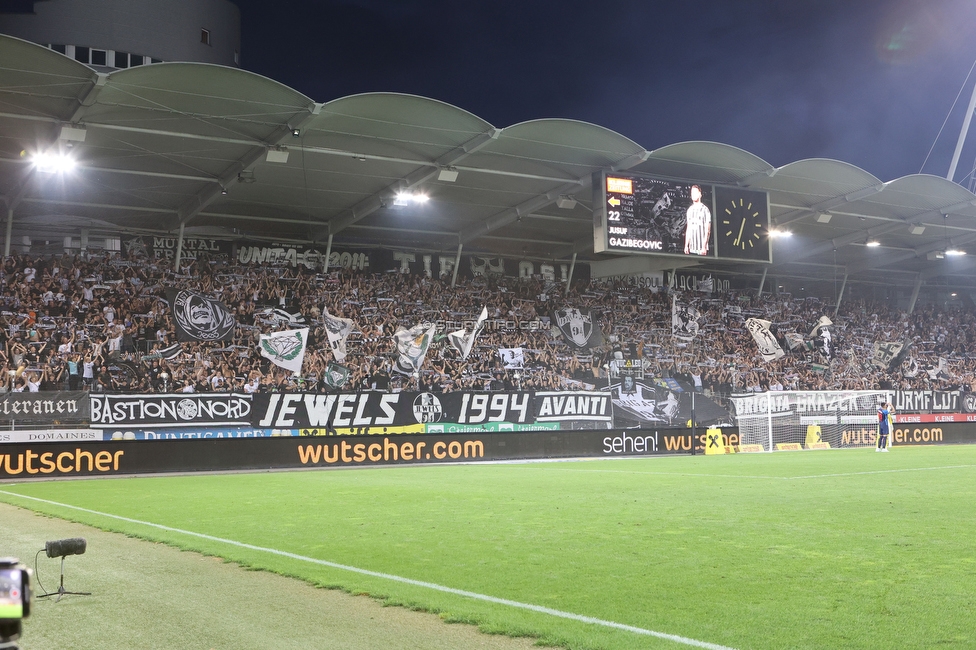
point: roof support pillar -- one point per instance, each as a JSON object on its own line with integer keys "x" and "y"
{"x": 915, "y": 290}
{"x": 328, "y": 254}
{"x": 10, "y": 228}
{"x": 84, "y": 239}
{"x": 569, "y": 279}
{"x": 762, "y": 283}
{"x": 962, "y": 135}
{"x": 457, "y": 263}
{"x": 840, "y": 296}
{"x": 179, "y": 249}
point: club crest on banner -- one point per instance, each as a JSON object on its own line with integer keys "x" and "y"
{"x": 575, "y": 325}
{"x": 136, "y": 248}
{"x": 336, "y": 375}
{"x": 199, "y": 318}
{"x": 427, "y": 408}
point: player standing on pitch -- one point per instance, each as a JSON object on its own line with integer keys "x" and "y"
{"x": 885, "y": 413}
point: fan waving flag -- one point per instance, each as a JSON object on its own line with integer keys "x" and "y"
{"x": 412, "y": 344}
{"x": 823, "y": 322}
{"x": 285, "y": 349}
{"x": 198, "y": 318}
{"x": 336, "y": 375}
{"x": 885, "y": 352}
{"x": 338, "y": 330}
{"x": 579, "y": 327}
{"x": 285, "y": 317}
{"x": 463, "y": 341}
{"x": 512, "y": 358}
{"x": 684, "y": 320}
{"x": 769, "y": 347}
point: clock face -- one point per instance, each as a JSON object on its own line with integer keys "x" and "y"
{"x": 742, "y": 224}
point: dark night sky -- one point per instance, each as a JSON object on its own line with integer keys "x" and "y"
{"x": 868, "y": 82}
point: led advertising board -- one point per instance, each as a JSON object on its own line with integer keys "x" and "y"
{"x": 642, "y": 214}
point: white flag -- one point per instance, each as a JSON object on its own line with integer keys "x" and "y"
{"x": 463, "y": 341}
{"x": 823, "y": 322}
{"x": 285, "y": 349}
{"x": 412, "y": 344}
{"x": 769, "y": 347}
{"x": 512, "y": 358}
{"x": 338, "y": 330}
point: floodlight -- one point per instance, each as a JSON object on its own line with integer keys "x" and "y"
{"x": 447, "y": 174}
{"x": 406, "y": 198}
{"x": 566, "y": 202}
{"x": 780, "y": 233}
{"x": 955, "y": 252}
{"x": 53, "y": 163}
{"x": 73, "y": 133}
{"x": 873, "y": 244}
{"x": 277, "y": 155}
{"x": 824, "y": 217}
{"x": 916, "y": 229}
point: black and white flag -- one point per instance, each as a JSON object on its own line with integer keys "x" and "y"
{"x": 769, "y": 347}
{"x": 579, "y": 327}
{"x": 412, "y": 344}
{"x": 684, "y": 320}
{"x": 794, "y": 341}
{"x": 338, "y": 330}
{"x": 818, "y": 328}
{"x": 168, "y": 353}
{"x": 885, "y": 353}
{"x": 284, "y": 317}
{"x": 462, "y": 340}
{"x": 199, "y": 318}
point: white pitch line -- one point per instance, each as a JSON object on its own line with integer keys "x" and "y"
{"x": 880, "y": 471}
{"x": 775, "y": 478}
{"x": 387, "y": 576}
{"x": 631, "y": 471}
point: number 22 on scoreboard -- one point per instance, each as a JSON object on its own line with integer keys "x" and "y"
{"x": 613, "y": 215}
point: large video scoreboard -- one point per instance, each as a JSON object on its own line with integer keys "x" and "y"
{"x": 642, "y": 214}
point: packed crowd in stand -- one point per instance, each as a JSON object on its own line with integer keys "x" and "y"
{"x": 73, "y": 322}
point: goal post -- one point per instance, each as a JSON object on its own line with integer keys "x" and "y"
{"x": 792, "y": 420}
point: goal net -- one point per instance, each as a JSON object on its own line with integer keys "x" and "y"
{"x": 790, "y": 420}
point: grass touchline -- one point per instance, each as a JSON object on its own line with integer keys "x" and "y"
{"x": 387, "y": 576}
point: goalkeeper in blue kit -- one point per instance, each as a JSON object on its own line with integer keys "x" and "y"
{"x": 885, "y": 415}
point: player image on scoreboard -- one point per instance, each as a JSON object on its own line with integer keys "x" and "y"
{"x": 659, "y": 216}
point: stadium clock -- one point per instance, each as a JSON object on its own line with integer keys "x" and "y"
{"x": 742, "y": 224}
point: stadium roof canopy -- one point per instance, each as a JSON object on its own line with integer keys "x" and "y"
{"x": 191, "y": 145}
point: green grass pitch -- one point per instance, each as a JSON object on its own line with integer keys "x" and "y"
{"x": 828, "y": 549}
